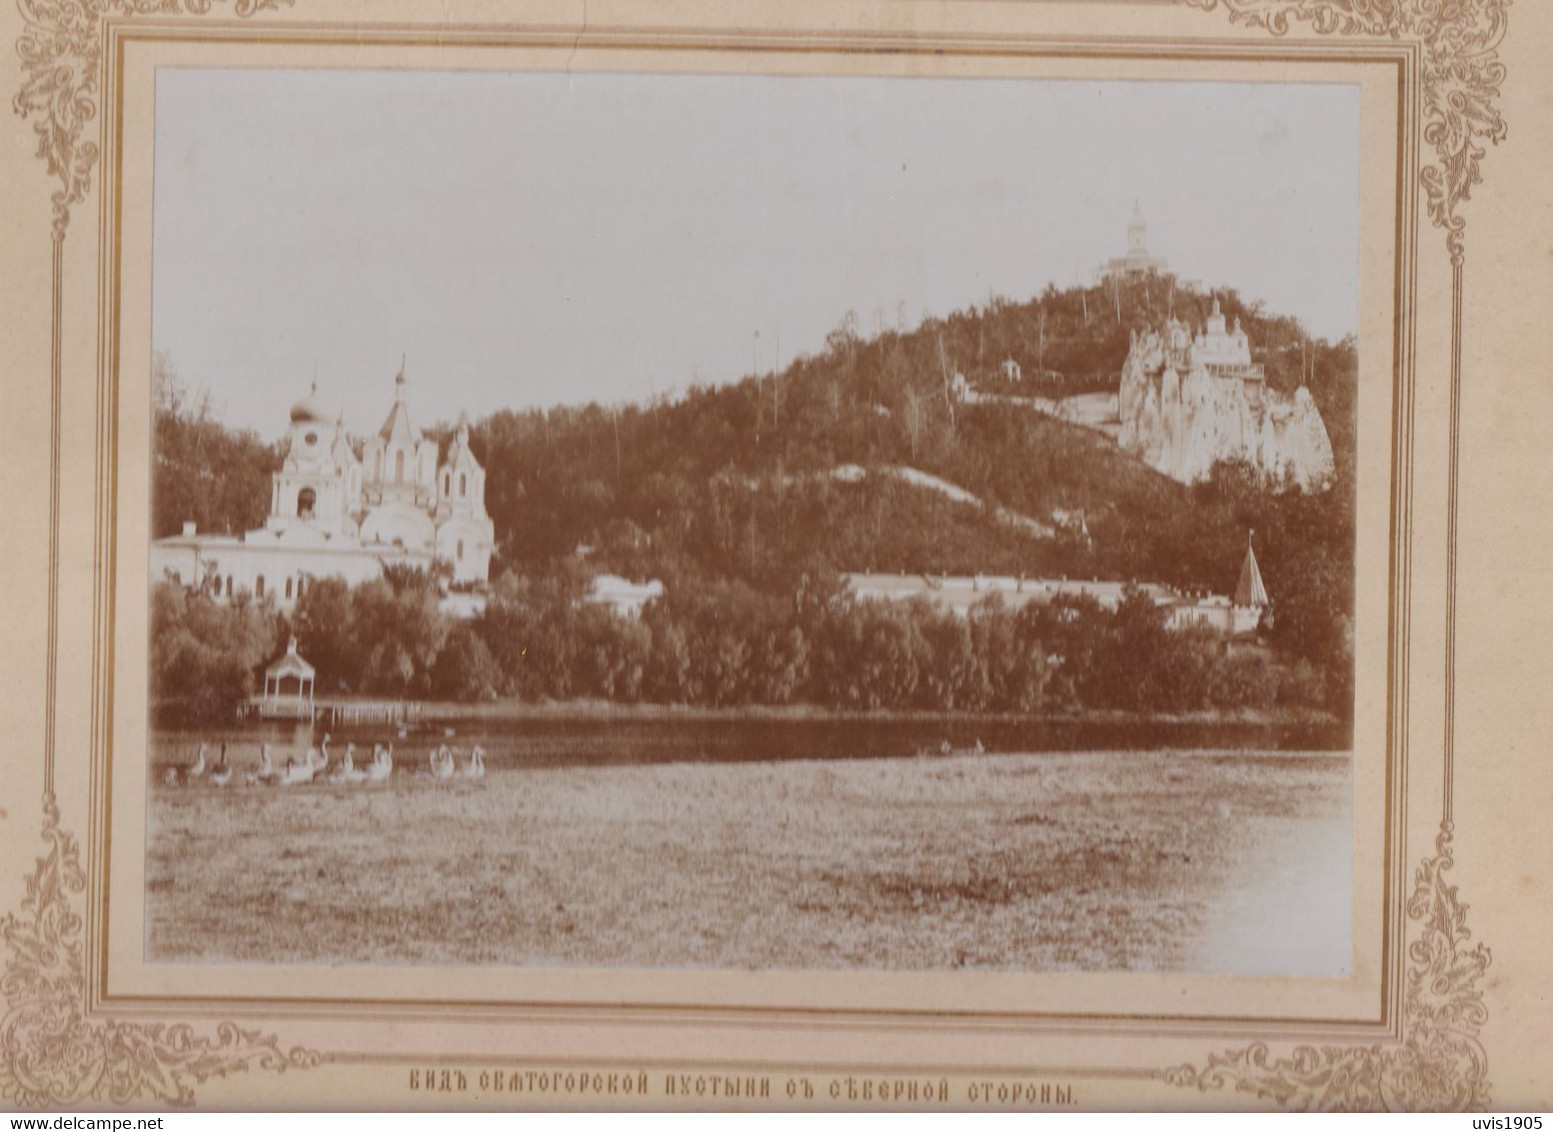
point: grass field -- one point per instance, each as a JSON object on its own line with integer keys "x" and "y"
{"x": 1071, "y": 861}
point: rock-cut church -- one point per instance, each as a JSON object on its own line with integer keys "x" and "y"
{"x": 339, "y": 510}
{"x": 1187, "y": 401}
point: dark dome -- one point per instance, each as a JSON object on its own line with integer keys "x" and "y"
{"x": 307, "y": 410}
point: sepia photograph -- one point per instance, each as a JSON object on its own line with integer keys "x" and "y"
{"x": 753, "y": 522}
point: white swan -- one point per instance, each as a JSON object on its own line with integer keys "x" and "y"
{"x": 181, "y": 775}
{"x": 476, "y": 767}
{"x": 221, "y": 773}
{"x": 382, "y": 763}
{"x": 298, "y": 773}
{"x": 442, "y": 763}
{"x": 347, "y": 773}
{"x": 318, "y": 757}
{"x": 265, "y": 775}
{"x": 268, "y": 772}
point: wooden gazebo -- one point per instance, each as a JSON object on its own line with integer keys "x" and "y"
{"x": 288, "y": 686}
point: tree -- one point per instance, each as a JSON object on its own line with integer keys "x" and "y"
{"x": 201, "y": 472}
{"x": 465, "y": 669}
{"x": 206, "y": 655}
{"x": 398, "y": 635}
{"x": 326, "y": 634}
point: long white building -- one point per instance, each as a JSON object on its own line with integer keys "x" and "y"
{"x": 1235, "y": 615}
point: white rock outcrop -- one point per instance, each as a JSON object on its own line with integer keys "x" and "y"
{"x": 1187, "y": 402}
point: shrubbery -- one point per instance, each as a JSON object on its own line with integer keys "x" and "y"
{"x": 720, "y": 645}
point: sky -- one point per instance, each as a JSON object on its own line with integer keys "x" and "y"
{"x": 534, "y": 239}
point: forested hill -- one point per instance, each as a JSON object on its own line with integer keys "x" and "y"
{"x": 740, "y": 482}
{"x": 737, "y": 480}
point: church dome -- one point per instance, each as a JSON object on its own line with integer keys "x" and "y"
{"x": 307, "y": 409}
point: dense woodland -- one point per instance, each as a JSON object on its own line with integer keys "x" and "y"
{"x": 726, "y": 494}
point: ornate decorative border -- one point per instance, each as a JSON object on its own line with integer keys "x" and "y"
{"x": 1438, "y": 1062}
{"x": 1461, "y": 77}
{"x": 1439, "y": 1065}
{"x": 61, "y": 53}
{"x": 51, "y": 1053}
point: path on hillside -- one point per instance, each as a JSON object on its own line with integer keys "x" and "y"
{"x": 855, "y": 473}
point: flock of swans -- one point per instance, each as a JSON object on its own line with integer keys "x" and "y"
{"x": 314, "y": 766}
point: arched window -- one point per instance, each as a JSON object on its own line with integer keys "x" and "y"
{"x": 398, "y": 467}
{"x": 463, "y": 484}
{"x": 307, "y": 499}
{"x": 258, "y": 586}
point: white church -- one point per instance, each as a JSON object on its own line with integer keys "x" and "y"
{"x": 337, "y": 513}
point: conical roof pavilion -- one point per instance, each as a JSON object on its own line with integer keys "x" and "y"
{"x": 1250, "y": 591}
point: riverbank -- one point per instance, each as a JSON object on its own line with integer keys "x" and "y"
{"x": 445, "y": 711}
{"x": 608, "y": 709}
{"x": 1058, "y": 861}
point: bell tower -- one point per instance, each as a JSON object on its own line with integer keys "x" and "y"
{"x": 1137, "y": 234}
{"x": 310, "y": 489}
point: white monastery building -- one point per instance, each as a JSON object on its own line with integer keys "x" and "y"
{"x": 1234, "y": 616}
{"x": 343, "y": 512}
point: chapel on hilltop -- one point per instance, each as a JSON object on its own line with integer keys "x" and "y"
{"x": 1137, "y": 261}
{"x": 347, "y": 510}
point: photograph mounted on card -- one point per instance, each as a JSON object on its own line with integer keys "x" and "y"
{"x": 705, "y": 545}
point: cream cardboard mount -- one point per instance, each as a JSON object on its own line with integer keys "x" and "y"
{"x": 62, "y": 1044}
